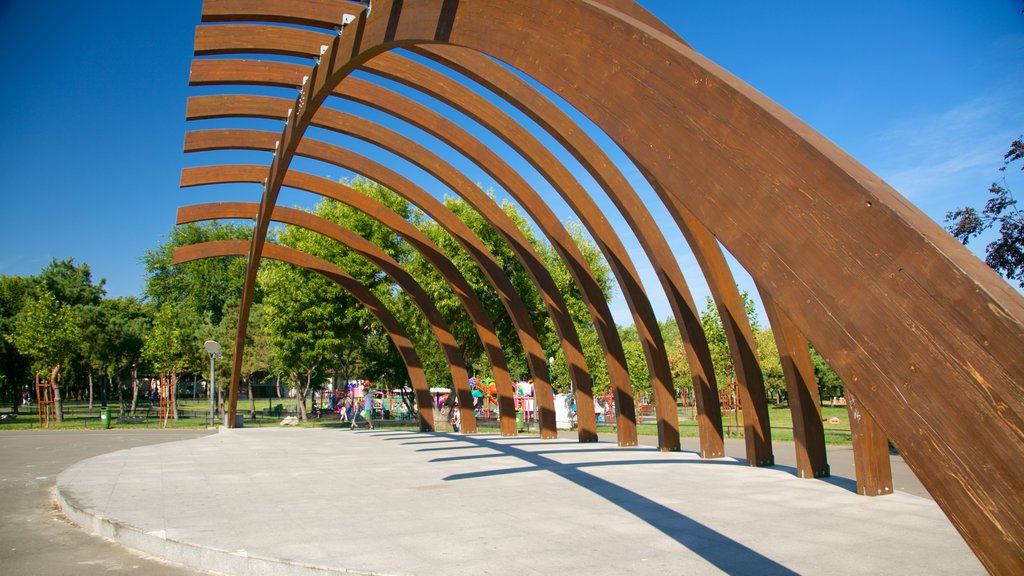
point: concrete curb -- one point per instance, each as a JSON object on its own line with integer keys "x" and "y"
{"x": 195, "y": 556}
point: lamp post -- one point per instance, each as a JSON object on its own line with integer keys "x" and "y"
{"x": 213, "y": 349}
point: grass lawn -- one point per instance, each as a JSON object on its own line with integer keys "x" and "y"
{"x": 195, "y": 414}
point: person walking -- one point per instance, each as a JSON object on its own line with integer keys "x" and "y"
{"x": 345, "y": 408}
{"x": 368, "y": 407}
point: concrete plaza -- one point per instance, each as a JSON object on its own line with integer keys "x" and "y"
{"x": 321, "y": 501}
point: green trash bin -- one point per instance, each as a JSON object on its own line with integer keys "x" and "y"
{"x": 105, "y": 417}
{"x": 519, "y": 420}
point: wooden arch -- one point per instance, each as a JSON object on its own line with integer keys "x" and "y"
{"x": 360, "y": 292}
{"x": 221, "y": 106}
{"x": 920, "y": 330}
{"x": 416, "y": 293}
{"x": 209, "y": 140}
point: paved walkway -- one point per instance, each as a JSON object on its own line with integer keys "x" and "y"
{"x": 35, "y": 539}
{"x": 316, "y": 501}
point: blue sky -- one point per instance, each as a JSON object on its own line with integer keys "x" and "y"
{"x": 926, "y": 94}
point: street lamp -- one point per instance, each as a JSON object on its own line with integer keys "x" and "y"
{"x": 213, "y": 349}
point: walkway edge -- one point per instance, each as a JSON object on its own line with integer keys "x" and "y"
{"x": 206, "y": 559}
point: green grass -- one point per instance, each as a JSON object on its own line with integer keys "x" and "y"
{"x": 779, "y": 417}
{"x": 196, "y": 415}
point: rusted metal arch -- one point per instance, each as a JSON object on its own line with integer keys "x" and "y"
{"x": 394, "y": 329}
{"x": 369, "y": 250}
{"x": 832, "y": 255}
{"x": 202, "y": 107}
{"x": 248, "y": 139}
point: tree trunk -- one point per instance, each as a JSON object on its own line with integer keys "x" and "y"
{"x": 89, "y": 372}
{"x": 300, "y": 397}
{"x": 277, "y": 387}
{"x": 103, "y": 390}
{"x": 58, "y": 404}
{"x": 252, "y": 398}
{"x": 135, "y": 389}
{"x": 172, "y": 401}
{"x": 120, "y": 395}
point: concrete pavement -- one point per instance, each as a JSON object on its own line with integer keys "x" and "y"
{"x": 35, "y": 538}
{"x": 319, "y": 501}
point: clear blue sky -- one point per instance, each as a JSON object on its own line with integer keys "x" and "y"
{"x": 926, "y": 94}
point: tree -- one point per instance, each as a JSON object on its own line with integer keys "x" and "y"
{"x": 171, "y": 344}
{"x": 771, "y": 363}
{"x": 676, "y": 349}
{"x": 636, "y": 361}
{"x": 305, "y": 313}
{"x": 259, "y": 349}
{"x": 1005, "y": 255}
{"x": 72, "y": 284}
{"x": 14, "y": 366}
{"x": 128, "y": 321}
{"x": 829, "y": 384}
{"x": 718, "y": 342}
{"x": 47, "y": 333}
{"x": 203, "y": 285}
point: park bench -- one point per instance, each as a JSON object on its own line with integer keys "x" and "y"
{"x": 8, "y": 413}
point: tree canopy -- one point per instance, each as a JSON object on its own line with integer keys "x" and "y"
{"x": 1004, "y": 254}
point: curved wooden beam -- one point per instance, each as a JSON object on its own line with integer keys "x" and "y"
{"x": 225, "y": 139}
{"x": 561, "y": 180}
{"x": 569, "y": 340}
{"x": 488, "y": 208}
{"x": 327, "y": 14}
{"x": 566, "y": 132}
{"x": 394, "y": 329}
{"x": 220, "y": 105}
{"x": 531, "y": 102}
{"x": 923, "y": 333}
{"x": 369, "y": 250}
{"x": 517, "y": 241}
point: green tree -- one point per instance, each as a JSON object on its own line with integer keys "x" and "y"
{"x": 771, "y": 363}
{"x": 718, "y": 342}
{"x": 15, "y": 367}
{"x": 259, "y": 349}
{"x": 676, "y": 351}
{"x": 128, "y": 321}
{"x": 171, "y": 345}
{"x": 524, "y": 286}
{"x": 204, "y": 286}
{"x": 829, "y": 384}
{"x": 47, "y": 333}
{"x": 637, "y": 362}
{"x": 72, "y": 284}
{"x": 1005, "y": 254}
